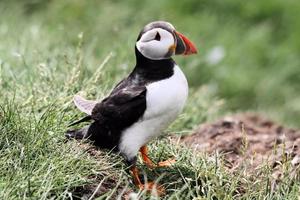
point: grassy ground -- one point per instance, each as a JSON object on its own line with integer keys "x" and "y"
{"x": 49, "y": 51}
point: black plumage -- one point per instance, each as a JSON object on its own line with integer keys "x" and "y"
{"x": 125, "y": 105}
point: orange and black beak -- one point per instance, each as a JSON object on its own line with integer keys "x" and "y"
{"x": 184, "y": 45}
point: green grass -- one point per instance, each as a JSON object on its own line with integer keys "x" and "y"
{"x": 50, "y": 50}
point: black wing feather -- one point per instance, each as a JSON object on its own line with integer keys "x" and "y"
{"x": 122, "y": 108}
{"x": 84, "y": 119}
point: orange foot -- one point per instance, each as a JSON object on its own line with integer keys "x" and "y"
{"x": 166, "y": 163}
{"x": 150, "y": 164}
{"x": 149, "y": 187}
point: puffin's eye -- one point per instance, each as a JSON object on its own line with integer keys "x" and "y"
{"x": 157, "y": 37}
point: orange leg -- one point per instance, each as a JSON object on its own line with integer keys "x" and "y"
{"x": 150, "y": 186}
{"x": 150, "y": 164}
{"x": 145, "y": 157}
{"x": 136, "y": 179}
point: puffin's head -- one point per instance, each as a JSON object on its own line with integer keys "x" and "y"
{"x": 159, "y": 40}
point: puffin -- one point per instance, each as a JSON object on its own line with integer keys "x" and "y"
{"x": 142, "y": 105}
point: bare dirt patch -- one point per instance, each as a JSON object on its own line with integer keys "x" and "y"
{"x": 248, "y": 139}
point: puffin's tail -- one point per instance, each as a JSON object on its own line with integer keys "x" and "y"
{"x": 77, "y": 134}
{"x": 86, "y": 118}
{"x": 97, "y": 132}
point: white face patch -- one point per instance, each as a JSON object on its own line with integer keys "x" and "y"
{"x": 155, "y": 49}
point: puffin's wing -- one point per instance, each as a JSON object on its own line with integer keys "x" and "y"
{"x": 122, "y": 108}
{"x": 84, "y": 105}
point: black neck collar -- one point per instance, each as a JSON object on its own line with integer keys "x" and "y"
{"x": 152, "y": 70}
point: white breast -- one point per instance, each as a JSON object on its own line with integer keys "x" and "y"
{"x": 165, "y": 100}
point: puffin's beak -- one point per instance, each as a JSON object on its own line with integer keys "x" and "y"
{"x": 184, "y": 45}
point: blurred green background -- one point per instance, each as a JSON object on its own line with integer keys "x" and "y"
{"x": 249, "y": 51}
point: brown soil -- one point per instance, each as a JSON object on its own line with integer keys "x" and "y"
{"x": 248, "y": 139}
